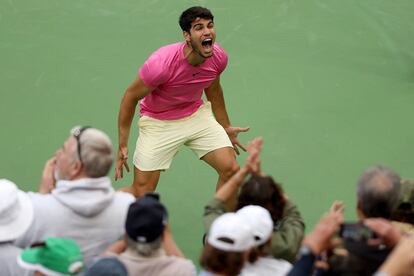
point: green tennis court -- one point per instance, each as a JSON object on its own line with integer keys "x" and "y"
{"x": 329, "y": 84}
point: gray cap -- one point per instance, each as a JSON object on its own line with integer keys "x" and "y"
{"x": 109, "y": 266}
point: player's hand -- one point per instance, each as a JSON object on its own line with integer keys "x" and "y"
{"x": 232, "y": 132}
{"x": 48, "y": 181}
{"x": 121, "y": 162}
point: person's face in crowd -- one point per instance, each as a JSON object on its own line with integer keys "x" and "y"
{"x": 201, "y": 37}
{"x": 66, "y": 161}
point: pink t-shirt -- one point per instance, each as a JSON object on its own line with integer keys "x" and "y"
{"x": 177, "y": 85}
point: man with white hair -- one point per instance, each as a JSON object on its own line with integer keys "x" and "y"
{"x": 260, "y": 261}
{"x": 76, "y": 199}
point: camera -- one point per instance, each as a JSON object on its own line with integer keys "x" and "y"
{"x": 355, "y": 232}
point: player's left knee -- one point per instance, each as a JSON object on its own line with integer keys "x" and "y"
{"x": 229, "y": 170}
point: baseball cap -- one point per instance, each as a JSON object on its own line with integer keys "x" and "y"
{"x": 16, "y": 211}
{"x": 109, "y": 266}
{"x": 146, "y": 219}
{"x": 53, "y": 257}
{"x": 229, "y": 232}
{"x": 259, "y": 220}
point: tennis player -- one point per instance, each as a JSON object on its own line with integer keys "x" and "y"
{"x": 169, "y": 89}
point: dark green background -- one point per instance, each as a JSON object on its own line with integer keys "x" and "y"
{"x": 329, "y": 84}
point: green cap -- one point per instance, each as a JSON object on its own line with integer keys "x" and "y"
{"x": 53, "y": 257}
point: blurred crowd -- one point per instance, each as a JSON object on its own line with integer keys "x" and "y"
{"x": 78, "y": 224}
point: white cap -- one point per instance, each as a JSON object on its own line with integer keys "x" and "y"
{"x": 16, "y": 211}
{"x": 229, "y": 232}
{"x": 259, "y": 220}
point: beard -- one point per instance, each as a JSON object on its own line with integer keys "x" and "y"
{"x": 196, "y": 49}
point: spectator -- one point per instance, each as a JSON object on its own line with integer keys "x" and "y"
{"x": 107, "y": 267}
{"x": 378, "y": 192}
{"x": 260, "y": 262}
{"x": 228, "y": 246}
{"x": 405, "y": 207}
{"x": 377, "y": 197}
{"x": 16, "y": 214}
{"x": 53, "y": 257}
{"x": 364, "y": 258}
{"x": 319, "y": 240}
{"x": 263, "y": 191}
{"x": 76, "y": 199}
{"x": 151, "y": 249}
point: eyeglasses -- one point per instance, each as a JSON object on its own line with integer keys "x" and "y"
{"x": 77, "y": 132}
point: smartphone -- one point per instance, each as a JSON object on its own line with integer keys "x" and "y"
{"x": 356, "y": 232}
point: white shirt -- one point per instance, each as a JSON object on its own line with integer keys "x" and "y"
{"x": 265, "y": 266}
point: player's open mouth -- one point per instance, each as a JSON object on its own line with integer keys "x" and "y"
{"x": 207, "y": 43}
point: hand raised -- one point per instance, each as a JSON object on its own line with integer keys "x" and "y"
{"x": 253, "y": 160}
{"x": 48, "y": 181}
{"x": 232, "y": 132}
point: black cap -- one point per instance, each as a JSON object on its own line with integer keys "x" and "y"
{"x": 146, "y": 219}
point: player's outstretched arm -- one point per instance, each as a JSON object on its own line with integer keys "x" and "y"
{"x": 134, "y": 93}
{"x": 214, "y": 94}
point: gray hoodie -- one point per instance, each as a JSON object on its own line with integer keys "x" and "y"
{"x": 86, "y": 210}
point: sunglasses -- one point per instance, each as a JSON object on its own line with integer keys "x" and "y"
{"x": 77, "y": 132}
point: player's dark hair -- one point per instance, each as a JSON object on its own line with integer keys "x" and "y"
{"x": 191, "y": 14}
{"x": 264, "y": 192}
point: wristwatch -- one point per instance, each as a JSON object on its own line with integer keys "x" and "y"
{"x": 305, "y": 250}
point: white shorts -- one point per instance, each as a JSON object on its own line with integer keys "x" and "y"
{"x": 160, "y": 140}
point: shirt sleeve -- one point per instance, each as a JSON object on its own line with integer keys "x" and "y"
{"x": 221, "y": 59}
{"x": 287, "y": 239}
{"x": 212, "y": 210}
{"x": 304, "y": 266}
{"x": 223, "y": 62}
{"x": 153, "y": 72}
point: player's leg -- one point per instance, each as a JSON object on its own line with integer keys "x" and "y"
{"x": 223, "y": 160}
{"x": 156, "y": 146}
{"x": 211, "y": 144}
{"x": 144, "y": 182}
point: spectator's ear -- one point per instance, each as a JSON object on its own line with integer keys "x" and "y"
{"x": 76, "y": 170}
